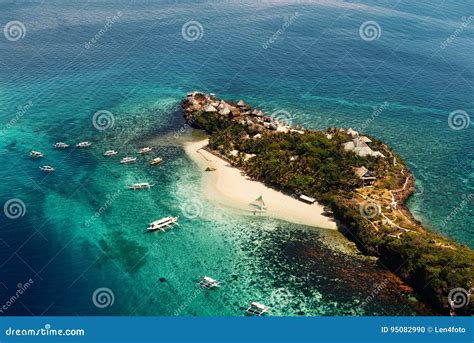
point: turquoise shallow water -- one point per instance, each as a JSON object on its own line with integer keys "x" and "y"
{"x": 319, "y": 69}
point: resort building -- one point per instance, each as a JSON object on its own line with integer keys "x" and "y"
{"x": 225, "y": 111}
{"x": 241, "y": 103}
{"x": 307, "y": 199}
{"x": 235, "y": 112}
{"x": 367, "y": 177}
{"x": 352, "y": 133}
{"x": 210, "y": 108}
{"x": 359, "y": 145}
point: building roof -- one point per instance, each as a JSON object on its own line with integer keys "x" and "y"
{"x": 222, "y": 104}
{"x": 377, "y": 154}
{"x": 365, "y": 139}
{"x": 210, "y": 108}
{"x": 352, "y": 132}
{"x": 349, "y": 146}
{"x": 307, "y": 198}
{"x": 361, "y": 171}
{"x": 359, "y": 143}
{"x": 282, "y": 128}
{"x": 241, "y": 103}
{"x": 224, "y": 111}
{"x": 363, "y": 151}
{"x": 249, "y": 156}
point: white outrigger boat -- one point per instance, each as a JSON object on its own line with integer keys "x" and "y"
{"x": 109, "y": 153}
{"x": 208, "y": 282}
{"x": 162, "y": 224}
{"x": 257, "y": 309}
{"x": 61, "y": 145}
{"x": 36, "y": 154}
{"x": 84, "y": 144}
{"x": 156, "y": 161}
{"x": 145, "y": 150}
{"x": 138, "y": 186}
{"x": 47, "y": 169}
{"x": 128, "y": 159}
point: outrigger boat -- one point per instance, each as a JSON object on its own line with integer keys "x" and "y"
{"x": 61, "y": 145}
{"x": 110, "y": 153}
{"x": 162, "y": 224}
{"x": 156, "y": 161}
{"x": 138, "y": 186}
{"x": 145, "y": 150}
{"x": 257, "y": 309}
{"x": 208, "y": 282}
{"x": 83, "y": 144}
{"x": 36, "y": 154}
{"x": 128, "y": 159}
{"x": 47, "y": 168}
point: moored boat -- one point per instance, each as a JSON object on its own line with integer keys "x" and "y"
{"x": 162, "y": 224}
{"x": 128, "y": 159}
{"x": 84, "y": 144}
{"x": 145, "y": 150}
{"x": 36, "y": 154}
{"x": 156, "y": 161}
{"x": 109, "y": 153}
{"x": 61, "y": 145}
{"x": 257, "y": 309}
{"x": 47, "y": 169}
{"x": 208, "y": 282}
{"x": 141, "y": 185}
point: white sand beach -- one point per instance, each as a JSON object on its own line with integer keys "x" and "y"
{"x": 228, "y": 186}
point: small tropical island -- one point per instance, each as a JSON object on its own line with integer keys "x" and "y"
{"x": 356, "y": 178}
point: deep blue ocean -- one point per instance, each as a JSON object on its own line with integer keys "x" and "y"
{"x": 135, "y": 60}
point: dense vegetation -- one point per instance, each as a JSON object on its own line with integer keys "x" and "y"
{"x": 318, "y": 166}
